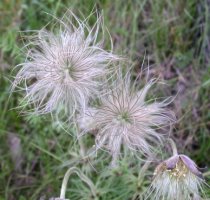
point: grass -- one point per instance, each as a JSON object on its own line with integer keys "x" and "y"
{"x": 172, "y": 36}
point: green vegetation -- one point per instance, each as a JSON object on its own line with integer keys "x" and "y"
{"x": 171, "y": 36}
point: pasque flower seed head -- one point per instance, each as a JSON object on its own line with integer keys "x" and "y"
{"x": 125, "y": 118}
{"x": 63, "y": 68}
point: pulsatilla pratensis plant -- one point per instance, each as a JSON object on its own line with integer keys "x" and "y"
{"x": 125, "y": 118}
{"x": 63, "y": 68}
{"x": 177, "y": 178}
{"x": 67, "y": 68}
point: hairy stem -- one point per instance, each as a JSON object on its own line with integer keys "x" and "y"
{"x": 80, "y": 142}
{"x": 82, "y": 146}
{"x": 81, "y": 175}
{"x": 173, "y": 146}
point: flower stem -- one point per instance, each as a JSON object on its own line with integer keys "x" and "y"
{"x": 80, "y": 142}
{"x": 81, "y": 175}
{"x": 82, "y": 147}
{"x": 65, "y": 181}
{"x": 173, "y": 146}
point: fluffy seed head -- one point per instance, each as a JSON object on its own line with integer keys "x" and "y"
{"x": 177, "y": 178}
{"x": 125, "y": 118}
{"x": 63, "y": 68}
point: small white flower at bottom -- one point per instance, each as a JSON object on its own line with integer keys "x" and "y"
{"x": 177, "y": 178}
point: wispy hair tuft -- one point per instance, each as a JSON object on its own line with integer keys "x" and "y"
{"x": 63, "y": 67}
{"x": 126, "y": 118}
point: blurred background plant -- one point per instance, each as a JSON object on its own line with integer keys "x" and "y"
{"x": 171, "y": 36}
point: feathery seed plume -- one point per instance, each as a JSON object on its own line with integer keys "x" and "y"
{"x": 126, "y": 118}
{"x": 63, "y": 68}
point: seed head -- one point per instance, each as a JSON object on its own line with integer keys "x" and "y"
{"x": 63, "y": 68}
{"x": 125, "y": 118}
{"x": 177, "y": 178}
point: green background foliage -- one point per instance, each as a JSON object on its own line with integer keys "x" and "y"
{"x": 172, "y": 36}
